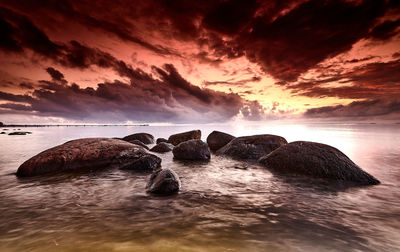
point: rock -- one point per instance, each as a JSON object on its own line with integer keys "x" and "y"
{"x": 161, "y": 140}
{"x": 162, "y": 147}
{"x": 147, "y": 162}
{"x": 1, "y": 124}
{"x": 217, "y": 140}
{"x": 143, "y": 137}
{"x": 3, "y": 133}
{"x": 137, "y": 142}
{"x": 316, "y": 160}
{"x": 185, "y": 136}
{"x": 163, "y": 181}
{"x": 19, "y": 133}
{"x": 80, "y": 154}
{"x": 252, "y": 147}
{"x": 192, "y": 150}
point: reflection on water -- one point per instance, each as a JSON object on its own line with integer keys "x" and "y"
{"x": 224, "y": 205}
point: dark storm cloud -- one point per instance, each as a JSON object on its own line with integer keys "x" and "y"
{"x": 55, "y": 74}
{"x": 286, "y": 38}
{"x": 368, "y": 108}
{"x": 370, "y": 80}
{"x": 171, "y": 98}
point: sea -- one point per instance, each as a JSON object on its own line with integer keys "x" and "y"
{"x": 223, "y": 205}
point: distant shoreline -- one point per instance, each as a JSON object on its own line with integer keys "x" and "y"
{"x": 68, "y": 125}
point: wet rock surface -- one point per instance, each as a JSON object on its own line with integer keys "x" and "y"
{"x": 192, "y": 150}
{"x": 86, "y": 153}
{"x": 252, "y": 147}
{"x": 143, "y": 137}
{"x": 316, "y": 160}
{"x": 163, "y": 182}
{"x": 217, "y": 140}
{"x": 162, "y": 147}
{"x": 185, "y": 136}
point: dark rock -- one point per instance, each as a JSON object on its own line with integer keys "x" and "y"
{"x": 161, "y": 140}
{"x": 1, "y": 124}
{"x": 19, "y": 133}
{"x": 192, "y": 150}
{"x": 185, "y": 136}
{"x": 163, "y": 181}
{"x": 217, "y": 140}
{"x": 80, "y": 154}
{"x": 137, "y": 142}
{"x": 147, "y": 162}
{"x": 252, "y": 147}
{"x": 3, "y": 133}
{"x": 162, "y": 147}
{"x": 143, "y": 137}
{"x": 316, "y": 160}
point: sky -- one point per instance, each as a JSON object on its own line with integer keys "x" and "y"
{"x": 177, "y": 61}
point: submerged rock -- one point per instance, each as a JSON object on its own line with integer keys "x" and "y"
{"x": 185, "y": 136}
{"x": 19, "y": 133}
{"x": 217, "y": 140}
{"x": 163, "y": 181}
{"x": 145, "y": 163}
{"x": 161, "y": 140}
{"x": 162, "y": 147}
{"x": 316, "y": 160}
{"x": 86, "y": 153}
{"x": 192, "y": 150}
{"x": 143, "y": 137}
{"x": 252, "y": 147}
{"x": 137, "y": 142}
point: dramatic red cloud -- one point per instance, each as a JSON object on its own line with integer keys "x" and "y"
{"x": 198, "y": 61}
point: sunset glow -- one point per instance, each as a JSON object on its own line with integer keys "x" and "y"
{"x": 198, "y": 62}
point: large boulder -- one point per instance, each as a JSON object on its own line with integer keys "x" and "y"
{"x": 86, "y": 153}
{"x": 163, "y": 181}
{"x": 252, "y": 147}
{"x": 316, "y": 160}
{"x": 217, "y": 140}
{"x": 162, "y": 147}
{"x": 192, "y": 150}
{"x": 185, "y": 136}
{"x": 142, "y": 137}
{"x": 161, "y": 140}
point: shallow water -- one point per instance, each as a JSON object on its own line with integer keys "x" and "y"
{"x": 224, "y": 205}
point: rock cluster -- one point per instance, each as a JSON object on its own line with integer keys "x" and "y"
{"x": 131, "y": 153}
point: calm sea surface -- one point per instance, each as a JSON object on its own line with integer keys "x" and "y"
{"x": 222, "y": 206}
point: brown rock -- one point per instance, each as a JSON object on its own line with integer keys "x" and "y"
{"x": 86, "y": 153}
{"x": 192, "y": 150}
{"x": 252, "y": 147}
{"x": 185, "y": 136}
{"x": 162, "y": 147}
{"x": 143, "y": 137}
{"x": 217, "y": 140}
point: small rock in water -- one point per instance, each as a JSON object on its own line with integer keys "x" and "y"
{"x": 185, "y": 136}
{"x": 163, "y": 181}
{"x": 217, "y": 140}
{"x": 143, "y": 137}
{"x": 192, "y": 150}
{"x": 19, "y": 133}
{"x": 3, "y": 133}
{"x": 162, "y": 147}
{"x": 161, "y": 140}
{"x": 316, "y": 160}
{"x": 146, "y": 163}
